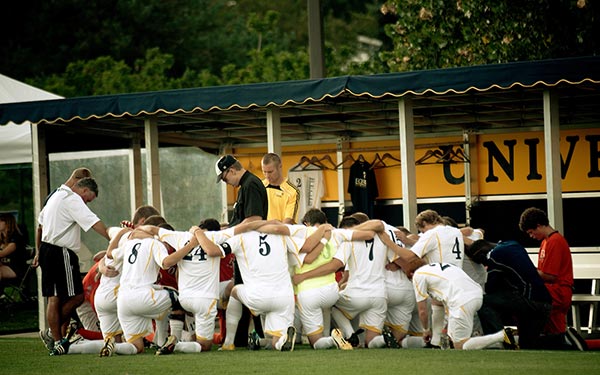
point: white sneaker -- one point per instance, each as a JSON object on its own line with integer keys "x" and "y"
{"x": 108, "y": 348}
{"x": 339, "y": 339}
{"x": 290, "y": 341}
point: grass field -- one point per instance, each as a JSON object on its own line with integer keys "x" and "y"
{"x": 28, "y": 356}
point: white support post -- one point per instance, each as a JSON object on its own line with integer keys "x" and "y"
{"x": 408, "y": 169}
{"x": 274, "y": 130}
{"x": 553, "y": 166}
{"x": 152, "y": 163}
{"x": 40, "y": 192}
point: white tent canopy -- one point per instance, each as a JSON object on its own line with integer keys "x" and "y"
{"x": 15, "y": 140}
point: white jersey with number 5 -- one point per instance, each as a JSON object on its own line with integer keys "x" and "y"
{"x": 263, "y": 262}
{"x": 440, "y": 244}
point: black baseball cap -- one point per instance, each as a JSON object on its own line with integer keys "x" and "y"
{"x": 223, "y": 164}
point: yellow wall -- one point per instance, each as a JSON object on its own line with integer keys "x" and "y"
{"x": 499, "y": 174}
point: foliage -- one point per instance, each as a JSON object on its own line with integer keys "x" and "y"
{"x": 438, "y": 33}
{"x": 97, "y": 47}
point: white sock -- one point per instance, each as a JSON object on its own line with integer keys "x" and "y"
{"x": 188, "y": 347}
{"x": 342, "y": 322}
{"x": 125, "y": 348}
{"x": 161, "y": 332}
{"x": 176, "y": 327}
{"x": 86, "y": 347}
{"x": 481, "y": 342}
{"x": 438, "y": 315}
{"x": 324, "y": 343}
{"x": 377, "y": 342}
{"x": 233, "y": 315}
{"x": 409, "y": 342}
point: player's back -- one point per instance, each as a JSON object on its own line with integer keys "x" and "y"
{"x": 262, "y": 259}
{"x": 441, "y": 244}
{"x": 141, "y": 259}
{"x": 446, "y": 283}
{"x": 365, "y": 261}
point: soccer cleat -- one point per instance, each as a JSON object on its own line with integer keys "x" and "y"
{"x": 431, "y": 346}
{"x": 339, "y": 340}
{"x": 108, "y": 348}
{"x": 576, "y": 340}
{"x": 354, "y": 340}
{"x": 168, "y": 347}
{"x": 227, "y": 348}
{"x": 290, "y": 340}
{"x": 390, "y": 340}
{"x": 47, "y": 339}
{"x": 509, "y": 340}
{"x": 253, "y": 341}
{"x": 61, "y": 347}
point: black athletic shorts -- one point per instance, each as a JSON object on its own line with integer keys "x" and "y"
{"x": 60, "y": 271}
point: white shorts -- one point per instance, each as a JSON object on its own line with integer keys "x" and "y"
{"x": 400, "y": 306}
{"x": 460, "y": 321}
{"x": 371, "y": 311}
{"x": 88, "y": 317}
{"x": 311, "y": 304}
{"x": 205, "y": 312}
{"x": 106, "y": 307}
{"x": 278, "y": 311}
{"x": 137, "y": 307}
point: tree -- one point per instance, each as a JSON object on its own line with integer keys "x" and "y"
{"x": 438, "y": 34}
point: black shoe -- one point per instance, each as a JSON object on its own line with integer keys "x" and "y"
{"x": 168, "y": 347}
{"x": 431, "y": 346}
{"x": 253, "y": 341}
{"x": 61, "y": 347}
{"x": 576, "y": 340}
{"x": 509, "y": 339}
{"x": 390, "y": 340}
{"x": 354, "y": 340}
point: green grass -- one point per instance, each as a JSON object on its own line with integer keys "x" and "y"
{"x": 28, "y": 356}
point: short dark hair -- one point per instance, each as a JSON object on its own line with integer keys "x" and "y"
{"x": 210, "y": 224}
{"x": 348, "y": 222}
{"x": 144, "y": 212}
{"x": 314, "y": 216}
{"x": 154, "y": 220}
{"x": 89, "y": 183}
{"x": 531, "y": 218}
{"x": 479, "y": 250}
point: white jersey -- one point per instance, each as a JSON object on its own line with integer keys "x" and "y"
{"x": 395, "y": 279}
{"x": 262, "y": 260}
{"x": 445, "y": 283}
{"x": 365, "y": 261}
{"x": 198, "y": 273}
{"x": 310, "y": 183}
{"x": 142, "y": 260}
{"x": 63, "y": 216}
{"x": 476, "y": 271}
{"x": 440, "y": 244}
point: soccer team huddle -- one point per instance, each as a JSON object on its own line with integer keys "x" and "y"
{"x": 363, "y": 284}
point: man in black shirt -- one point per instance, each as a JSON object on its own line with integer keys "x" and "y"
{"x": 251, "y": 204}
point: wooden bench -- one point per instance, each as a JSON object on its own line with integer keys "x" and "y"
{"x": 586, "y": 266}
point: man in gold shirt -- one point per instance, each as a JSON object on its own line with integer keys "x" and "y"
{"x": 283, "y": 196}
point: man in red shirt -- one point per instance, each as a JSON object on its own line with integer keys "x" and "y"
{"x": 555, "y": 267}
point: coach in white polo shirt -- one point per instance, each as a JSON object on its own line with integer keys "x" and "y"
{"x": 62, "y": 219}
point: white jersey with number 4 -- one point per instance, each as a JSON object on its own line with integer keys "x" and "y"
{"x": 441, "y": 244}
{"x": 198, "y": 273}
